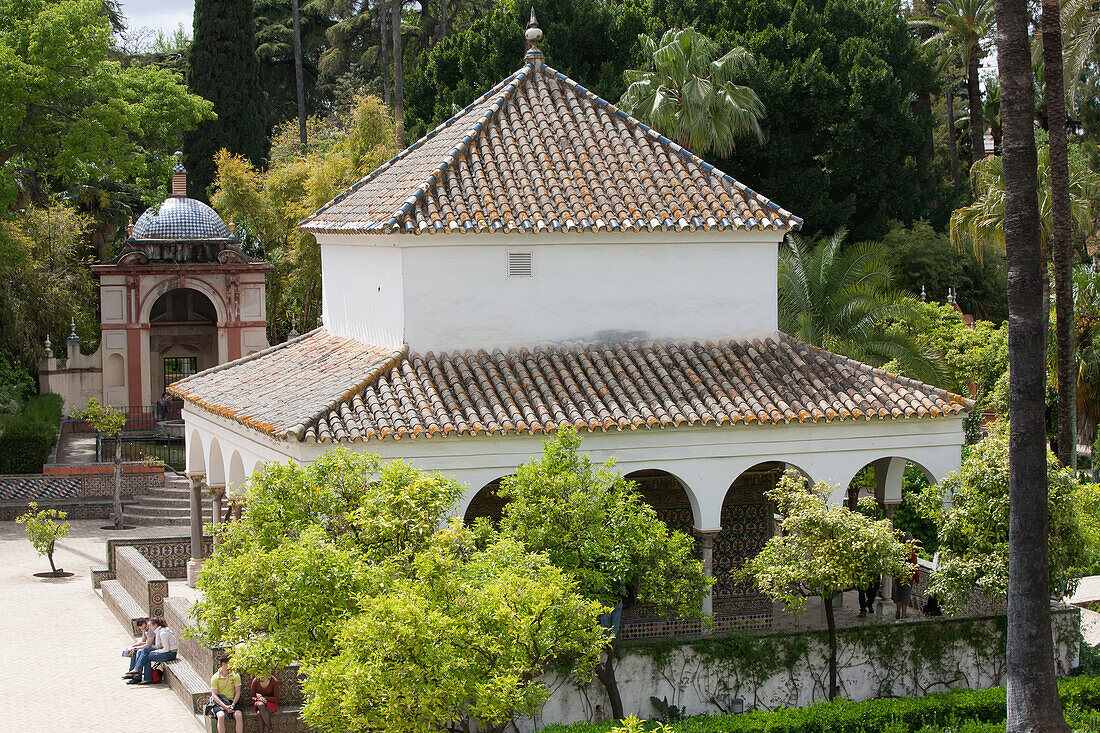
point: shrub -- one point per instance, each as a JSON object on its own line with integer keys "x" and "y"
{"x": 959, "y": 711}
{"x": 44, "y": 529}
{"x": 28, "y": 435}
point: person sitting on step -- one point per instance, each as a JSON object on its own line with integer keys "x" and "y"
{"x": 164, "y": 649}
{"x": 144, "y": 641}
{"x": 225, "y": 696}
{"x": 265, "y": 698}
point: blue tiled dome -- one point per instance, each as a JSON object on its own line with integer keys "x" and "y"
{"x": 180, "y": 218}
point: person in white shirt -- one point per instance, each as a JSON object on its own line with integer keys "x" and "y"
{"x": 145, "y": 640}
{"x": 164, "y": 649}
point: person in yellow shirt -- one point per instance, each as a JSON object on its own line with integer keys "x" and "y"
{"x": 225, "y": 694}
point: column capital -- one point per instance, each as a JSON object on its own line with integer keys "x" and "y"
{"x": 707, "y": 537}
{"x": 216, "y": 490}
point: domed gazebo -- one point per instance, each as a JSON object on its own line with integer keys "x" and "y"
{"x": 180, "y": 297}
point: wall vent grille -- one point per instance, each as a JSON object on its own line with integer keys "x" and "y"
{"x": 519, "y": 264}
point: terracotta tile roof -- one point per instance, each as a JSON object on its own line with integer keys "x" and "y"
{"x": 330, "y": 389}
{"x": 539, "y": 153}
{"x": 283, "y": 390}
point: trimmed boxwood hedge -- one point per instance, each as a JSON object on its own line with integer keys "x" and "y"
{"x": 959, "y": 711}
{"x": 29, "y": 433}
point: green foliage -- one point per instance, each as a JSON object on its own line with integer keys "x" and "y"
{"x": 969, "y": 711}
{"x": 70, "y": 110}
{"x": 104, "y": 418}
{"x": 824, "y": 549}
{"x": 617, "y": 546}
{"x": 843, "y": 300}
{"x": 973, "y": 528}
{"x": 907, "y": 516}
{"x": 843, "y": 138}
{"x": 222, "y": 68}
{"x": 28, "y": 434}
{"x": 16, "y": 385}
{"x": 484, "y": 622}
{"x": 46, "y": 281}
{"x": 268, "y": 205}
{"x": 398, "y": 625}
{"x": 44, "y": 528}
{"x": 275, "y": 53}
{"x": 687, "y": 92}
{"x": 587, "y": 40}
{"x": 920, "y": 256}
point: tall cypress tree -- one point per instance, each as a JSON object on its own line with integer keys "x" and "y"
{"x": 222, "y": 67}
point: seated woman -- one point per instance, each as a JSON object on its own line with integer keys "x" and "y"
{"x": 163, "y": 649}
{"x": 265, "y": 697}
{"x": 225, "y": 696}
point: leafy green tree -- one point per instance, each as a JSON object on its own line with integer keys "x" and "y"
{"x": 398, "y": 624}
{"x": 587, "y": 40}
{"x": 688, "y": 92}
{"x": 823, "y": 550}
{"x": 108, "y": 421}
{"x": 268, "y": 205}
{"x": 70, "y": 112}
{"x": 923, "y": 258}
{"x": 275, "y": 54}
{"x": 222, "y": 68}
{"x": 46, "y": 282}
{"x": 972, "y": 354}
{"x": 459, "y": 641}
{"x": 843, "y": 135}
{"x": 44, "y": 529}
{"x": 970, "y": 508}
{"x": 616, "y": 547}
{"x": 843, "y": 301}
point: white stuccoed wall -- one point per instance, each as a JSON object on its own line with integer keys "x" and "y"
{"x": 705, "y": 459}
{"x": 444, "y": 292}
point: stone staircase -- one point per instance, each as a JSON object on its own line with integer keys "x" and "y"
{"x": 169, "y": 505}
{"x": 138, "y": 588}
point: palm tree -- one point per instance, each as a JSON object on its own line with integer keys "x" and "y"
{"x": 961, "y": 27}
{"x": 688, "y": 92}
{"x": 1081, "y": 26}
{"x": 1061, "y": 246}
{"x": 1033, "y": 703}
{"x": 981, "y": 225}
{"x": 844, "y": 302}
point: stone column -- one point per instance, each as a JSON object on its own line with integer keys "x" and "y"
{"x": 217, "y": 493}
{"x": 706, "y": 543}
{"x": 887, "y": 581}
{"x": 195, "y": 563}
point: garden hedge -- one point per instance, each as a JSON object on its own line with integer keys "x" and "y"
{"x": 28, "y": 434}
{"x": 959, "y": 711}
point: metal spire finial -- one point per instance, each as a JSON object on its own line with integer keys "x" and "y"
{"x": 533, "y": 34}
{"x": 923, "y": 295}
{"x": 72, "y": 326}
{"x": 49, "y": 347}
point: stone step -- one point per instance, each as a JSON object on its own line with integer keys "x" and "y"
{"x": 143, "y": 520}
{"x": 177, "y": 613}
{"x": 192, "y": 688}
{"x": 162, "y": 511}
{"x": 122, "y": 604}
{"x": 168, "y": 491}
{"x": 285, "y": 720}
{"x": 167, "y": 501}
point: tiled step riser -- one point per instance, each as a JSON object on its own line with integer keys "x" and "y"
{"x": 283, "y": 721}
{"x": 188, "y": 686}
{"x": 147, "y": 510}
{"x": 169, "y": 501}
{"x": 122, "y": 605}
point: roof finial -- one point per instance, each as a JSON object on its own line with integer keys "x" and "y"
{"x": 179, "y": 177}
{"x": 49, "y": 347}
{"x": 923, "y": 295}
{"x": 72, "y": 333}
{"x": 533, "y": 34}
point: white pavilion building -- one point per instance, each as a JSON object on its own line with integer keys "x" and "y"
{"x": 543, "y": 259}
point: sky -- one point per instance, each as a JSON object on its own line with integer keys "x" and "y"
{"x": 162, "y": 14}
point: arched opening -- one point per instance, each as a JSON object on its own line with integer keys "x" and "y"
{"x": 487, "y": 503}
{"x": 257, "y": 468}
{"x": 747, "y": 525}
{"x": 215, "y": 465}
{"x": 183, "y": 336}
{"x": 894, "y": 482}
{"x": 235, "y": 481}
{"x": 196, "y": 459}
{"x": 668, "y": 497}
{"x": 116, "y": 371}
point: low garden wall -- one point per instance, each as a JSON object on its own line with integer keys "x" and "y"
{"x": 772, "y": 671}
{"x": 83, "y": 491}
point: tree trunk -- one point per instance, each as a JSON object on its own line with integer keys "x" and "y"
{"x": 398, "y": 76}
{"x": 118, "y": 481}
{"x": 927, "y": 152}
{"x": 830, "y": 622}
{"x": 606, "y": 674}
{"x": 977, "y": 118}
{"x": 384, "y": 53}
{"x": 298, "y": 79}
{"x": 952, "y": 141}
{"x": 443, "y": 10}
{"x": 1033, "y": 704}
{"x": 1060, "y": 242}
{"x": 49, "y": 556}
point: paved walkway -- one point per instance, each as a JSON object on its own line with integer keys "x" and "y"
{"x": 60, "y": 663}
{"x": 76, "y": 448}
